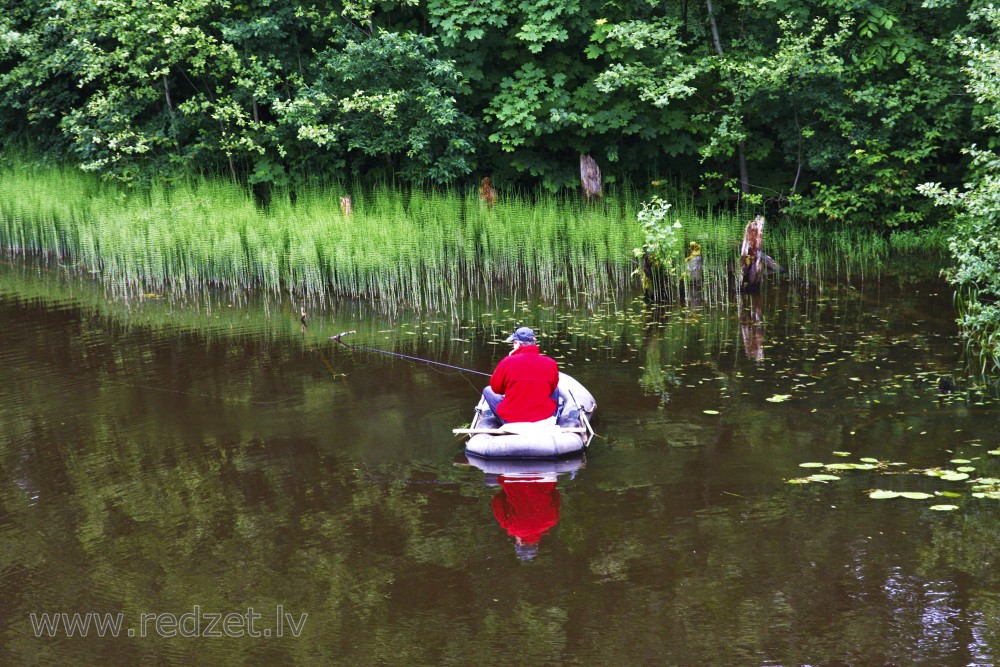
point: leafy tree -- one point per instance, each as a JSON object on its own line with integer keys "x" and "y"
{"x": 386, "y": 96}
{"x": 975, "y": 244}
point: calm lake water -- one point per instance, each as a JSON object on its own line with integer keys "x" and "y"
{"x": 209, "y": 468}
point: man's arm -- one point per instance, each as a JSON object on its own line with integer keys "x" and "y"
{"x": 498, "y": 381}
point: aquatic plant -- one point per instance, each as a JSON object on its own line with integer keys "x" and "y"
{"x": 422, "y": 248}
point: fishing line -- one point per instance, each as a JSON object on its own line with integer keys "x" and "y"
{"x": 402, "y": 356}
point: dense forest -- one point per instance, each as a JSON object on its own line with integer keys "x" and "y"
{"x": 866, "y": 112}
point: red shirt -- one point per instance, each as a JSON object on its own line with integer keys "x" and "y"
{"x": 526, "y": 379}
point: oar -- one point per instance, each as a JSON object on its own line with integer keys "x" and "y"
{"x": 401, "y": 356}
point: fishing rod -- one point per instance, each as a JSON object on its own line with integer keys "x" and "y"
{"x": 401, "y": 356}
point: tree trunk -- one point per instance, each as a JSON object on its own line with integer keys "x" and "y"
{"x": 741, "y": 153}
{"x": 166, "y": 93}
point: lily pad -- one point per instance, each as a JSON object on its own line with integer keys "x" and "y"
{"x": 869, "y": 459}
{"x": 966, "y": 469}
{"x": 711, "y": 412}
{"x": 879, "y": 494}
{"x": 955, "y": 476}
{"x": 779, "y": 398}
{"x": 812, "y": 464}
{"x": 824, "y": 478}
{"x": 943, "y": 508}
{"x": 916, "y": 495}
{"x": 956, "y": 461}
{"x": 841, "y": 453}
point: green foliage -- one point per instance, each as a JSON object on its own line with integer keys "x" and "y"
{"x": 662, "y": 240}
{"x": 975, "y": 244}
{"x": 386, "y": 95}
{"x": 834, "y": 111}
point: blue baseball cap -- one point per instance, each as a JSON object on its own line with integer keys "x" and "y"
{"x": 523, "y": 334}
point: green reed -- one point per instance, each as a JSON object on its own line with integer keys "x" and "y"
{"x": 423, "y": 248}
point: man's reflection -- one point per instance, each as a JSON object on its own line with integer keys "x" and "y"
{"x": 526, "y": 507}
{"x": 528, "y": 503}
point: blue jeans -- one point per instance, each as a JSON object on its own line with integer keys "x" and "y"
{"x": 493, "y": 400}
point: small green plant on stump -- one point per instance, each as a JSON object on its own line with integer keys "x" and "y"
{"x": 660, "y": 254}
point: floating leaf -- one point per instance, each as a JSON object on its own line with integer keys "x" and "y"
{"x": 868, "y": 459}
{"x": 811, "y": 464}
{"x": 954, "y": 476}
{"x": 994, "y": 452}
{"x": 824, "y": 478}
{"x": 943, "y": 508}
{"x": 966, "y": 469}
{"x": 711, "y": 412}
{"x": 841, "y": 453}
{"x": 778, "y": 398}
{"x": 948, "y": 494}
{"x": 879, "y": 494}
{"x": 916, "y": 495}
{"x": 961, "y": 461}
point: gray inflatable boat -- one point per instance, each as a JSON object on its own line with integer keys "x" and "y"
{"x": 566, "y": 434}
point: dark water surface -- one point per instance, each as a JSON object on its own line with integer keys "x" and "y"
{"x": 177, "y": 462}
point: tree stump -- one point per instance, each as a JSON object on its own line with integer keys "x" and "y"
{"x": 693, "y": 262}
{"x": 751, "y": 255}
{"x": 655, "y": 287}
{"x": 590, "y": 177}
{"x": 487, "y": 193}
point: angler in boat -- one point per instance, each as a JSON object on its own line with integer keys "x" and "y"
{"x": 525, "y": 385}
{"x": 530, "y": 409}
{"x": 554, "y": 409}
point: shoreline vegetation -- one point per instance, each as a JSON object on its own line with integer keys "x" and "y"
{"x": 414, "y": 248}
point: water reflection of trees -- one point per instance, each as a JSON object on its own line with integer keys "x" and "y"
{"x": 391, "y": 563}
{"x": 109, "y": 502}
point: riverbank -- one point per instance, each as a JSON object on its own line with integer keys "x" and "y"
{"x": 416, "y": 248}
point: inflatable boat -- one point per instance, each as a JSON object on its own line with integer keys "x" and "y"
{"x": 565, "y": 434}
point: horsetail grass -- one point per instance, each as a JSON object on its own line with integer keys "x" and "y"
{"x": 427, "y": 249}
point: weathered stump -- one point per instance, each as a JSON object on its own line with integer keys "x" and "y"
{"x": 590, "y": 177}
{"x": 694, "y": 282}
{"x": 487, "y": 193}
{"x": 751, "y": 260}
{"x": 693, "y": 262}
